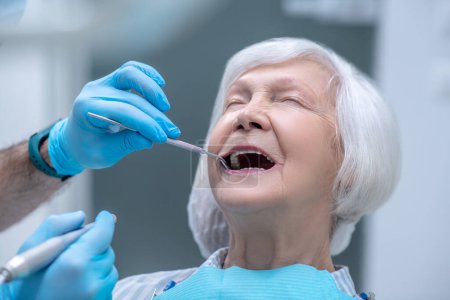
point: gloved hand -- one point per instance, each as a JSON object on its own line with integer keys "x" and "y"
{"x": 81, "y": 141}
{"x": 85, "y": 270}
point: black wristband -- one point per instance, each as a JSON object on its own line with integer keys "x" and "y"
{"x": 34, "y": 145}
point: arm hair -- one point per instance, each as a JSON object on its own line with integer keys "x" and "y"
{"x": 22, "y": 186}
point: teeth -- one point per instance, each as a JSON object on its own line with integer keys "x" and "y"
{"x": 234, "y": 160}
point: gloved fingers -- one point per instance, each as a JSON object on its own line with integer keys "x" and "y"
{"x": 98, "y": 238}
{"x": 148, "y": 70}
{"x": 132, "y": 78}
{"x": 133, "y": 141}
{"x": 131, "y": 117}
{"x": 108, "y": 284}
{"x": 168, "y": 126}
{"x": 104, "y": 262}
{"x": 54, "y": 225}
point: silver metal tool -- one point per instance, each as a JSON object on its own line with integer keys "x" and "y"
{"x": 115, "y": 127}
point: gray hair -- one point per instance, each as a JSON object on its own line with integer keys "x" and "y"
{"x": 365, "y": 127}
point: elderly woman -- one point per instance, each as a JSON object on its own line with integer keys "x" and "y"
{"x": 310, "y": 148}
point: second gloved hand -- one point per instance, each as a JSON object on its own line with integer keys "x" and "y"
{"x": 83, "y": 142}
{"x": 85, "y": 270}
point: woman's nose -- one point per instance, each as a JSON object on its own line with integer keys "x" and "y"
{"x": 252, "y": 117}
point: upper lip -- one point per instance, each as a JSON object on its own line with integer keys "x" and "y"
{"x": 247, "y": 148}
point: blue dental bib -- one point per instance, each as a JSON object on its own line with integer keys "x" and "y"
{"x": 300, "y": 282}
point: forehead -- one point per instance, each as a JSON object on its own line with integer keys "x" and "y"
{"x": 298, "y": 74}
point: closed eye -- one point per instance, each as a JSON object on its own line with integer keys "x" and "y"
{"x": 293, "y": 100}
{"x": 232, "y": 102}
{"x": 302, "y": 103}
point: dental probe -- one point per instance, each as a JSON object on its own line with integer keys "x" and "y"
{"x": 117, "y": 127}
{"x": 40, "y": 256}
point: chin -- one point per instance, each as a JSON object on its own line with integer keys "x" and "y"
{"x": 247, "y": 194}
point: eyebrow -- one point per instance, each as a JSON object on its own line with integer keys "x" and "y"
{"x": 285, "y": 82}
{"x": 281, "y": 84}
{"x": 239, "y": 86}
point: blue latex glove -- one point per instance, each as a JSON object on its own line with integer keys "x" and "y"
{"x": 85, "y": 270}
{"x": 83, "y": 142}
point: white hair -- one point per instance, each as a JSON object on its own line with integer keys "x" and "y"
{"x": 366, "y": 130}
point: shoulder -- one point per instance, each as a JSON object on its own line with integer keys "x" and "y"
{"x": 142, "y": 286}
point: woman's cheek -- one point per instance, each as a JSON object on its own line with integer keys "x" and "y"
{"x": 221, "y": 132}
{"x": 215, "y": 137}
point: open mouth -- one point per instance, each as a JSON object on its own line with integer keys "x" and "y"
{"x": 248, "y": 160}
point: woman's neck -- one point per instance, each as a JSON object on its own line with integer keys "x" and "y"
{"x": 260, "y": 241}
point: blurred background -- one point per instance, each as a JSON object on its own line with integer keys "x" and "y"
{"x": 48, "y": 54}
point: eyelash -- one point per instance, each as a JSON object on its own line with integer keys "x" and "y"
{"x": 290, "y": 99}
{"x": 233, "y": 101}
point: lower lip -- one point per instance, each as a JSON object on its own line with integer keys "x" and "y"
{"x": 248, "y": 171}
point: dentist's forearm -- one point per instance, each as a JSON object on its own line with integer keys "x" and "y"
{"x": 22, "y": 186}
